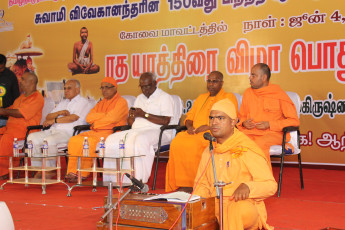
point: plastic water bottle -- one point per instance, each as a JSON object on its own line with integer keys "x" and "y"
{"x": 45, "y": 147}
{"x": 15, "y": 148}
{"x": 121, "y": 148}
{"x": 86, "y": 147}
{"x": 30, "y": 148}
{"x": 101, "y": 147}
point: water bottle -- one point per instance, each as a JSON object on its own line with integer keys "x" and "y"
{"x": 45, "y": 147}
{"x": 86, "y": 147}
{"x": 101, "y": 147}
{"x": 30, "y": 148}
{"x": 121, "y": 148}
{"x": 15, "y": 148}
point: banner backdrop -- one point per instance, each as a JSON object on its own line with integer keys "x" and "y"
{"x": 182, "y": 41}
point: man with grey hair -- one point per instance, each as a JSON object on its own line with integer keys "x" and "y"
{"x": 152, "y": 109}
{"x": 68, "y": 113}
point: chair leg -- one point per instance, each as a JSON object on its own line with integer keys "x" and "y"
{"x": 280, "y": 174}
{"x": 155, "y": 176}
{"x": 300, "y": 170}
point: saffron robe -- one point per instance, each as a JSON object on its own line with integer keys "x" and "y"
{"x": 238, "y": 160}
{"x": 272, "y": 104}
{"x": 186, "y": 149}
{"x": 31, "y": 109}
{"x": 102, "y": 118}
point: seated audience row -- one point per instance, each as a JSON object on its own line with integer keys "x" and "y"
{"x": 264, "y": 111}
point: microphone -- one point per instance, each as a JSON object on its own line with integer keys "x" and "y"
{"x": 143, "y": 187}
{"x": 209, "y": 137}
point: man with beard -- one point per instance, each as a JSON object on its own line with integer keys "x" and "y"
{"x": 83, "y": 56}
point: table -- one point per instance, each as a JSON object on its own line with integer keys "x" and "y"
{"x": 35, "y": 181}
{"x": 95, "y": 170}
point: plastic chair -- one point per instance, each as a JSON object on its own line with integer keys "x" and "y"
{"x": 279, "y": 151}
{"x": 239, "y": 100}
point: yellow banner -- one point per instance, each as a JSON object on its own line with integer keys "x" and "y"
{"x": 182, "y": 41}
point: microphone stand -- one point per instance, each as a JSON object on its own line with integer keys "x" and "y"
{"x": 219, "y": 188}
{"x": 111, "y": 206}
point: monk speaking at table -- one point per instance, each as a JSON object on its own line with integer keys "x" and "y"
{"x": 25, "y": 111}
{"x": 242, "y": 165}
{"x": 187, "y": 147}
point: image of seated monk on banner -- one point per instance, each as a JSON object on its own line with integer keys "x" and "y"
{"x": 83, "y": 56}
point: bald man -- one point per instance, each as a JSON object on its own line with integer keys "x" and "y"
{"x": 25, "y": 111}
{"x": 68, "y": 113}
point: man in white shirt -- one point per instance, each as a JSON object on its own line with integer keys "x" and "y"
{"x": 152, "y": 109}
{"x": 68, "y": 113}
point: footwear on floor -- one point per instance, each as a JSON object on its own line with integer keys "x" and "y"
{"x": 4, "y": 177}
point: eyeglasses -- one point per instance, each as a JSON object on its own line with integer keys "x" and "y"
{"x": 213, "y": 81}
{"x": 219, "y": 118}
{"x": 106, "y": 87}
{"x": 67, "y": 88}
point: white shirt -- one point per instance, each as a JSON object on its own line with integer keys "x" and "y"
{"x": 159, "y": 103}
{"x": 79, "y": 106}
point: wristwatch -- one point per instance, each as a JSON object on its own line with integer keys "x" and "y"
{"x": 146, "y": 115}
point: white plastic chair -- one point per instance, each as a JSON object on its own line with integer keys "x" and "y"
{"x": 239, "y": 100}
{"x": 130, "y": 100}
{"x": 279, "y": 151}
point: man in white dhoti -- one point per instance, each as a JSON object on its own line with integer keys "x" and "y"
{"x": 68, "y": 113}
{"x": 152, "y": 109}
{"x": 83, "y": 56}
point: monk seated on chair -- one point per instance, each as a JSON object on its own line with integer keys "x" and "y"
{"x": 25, "y": 111}
{"x": 109, "y": 112}
{"x": 242, "y": 165}
{"x": 187, "y": 147}
{"x": 265, "y": 110}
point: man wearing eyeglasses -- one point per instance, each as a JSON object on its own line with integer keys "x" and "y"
{"x": 111, "y": 111}
{"x": 242, "y": 166}
{"x": 187, "y": 147}
{"x": 152, "y": 109}
{"x": 68, "y": 113}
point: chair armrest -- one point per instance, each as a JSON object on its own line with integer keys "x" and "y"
{"x": 121, "y": 128}
{"x": 165, "y": 127}
{"x": 290, "y": 129}
{"x": 181, "y": 128}
{"x": 79, "y": 128}
{"x": 287, "y": 130}
{"x": 33, "y": 127}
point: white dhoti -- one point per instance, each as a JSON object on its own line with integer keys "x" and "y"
{"x": 141, "y": 142}
{"x": 53, "y": 137}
